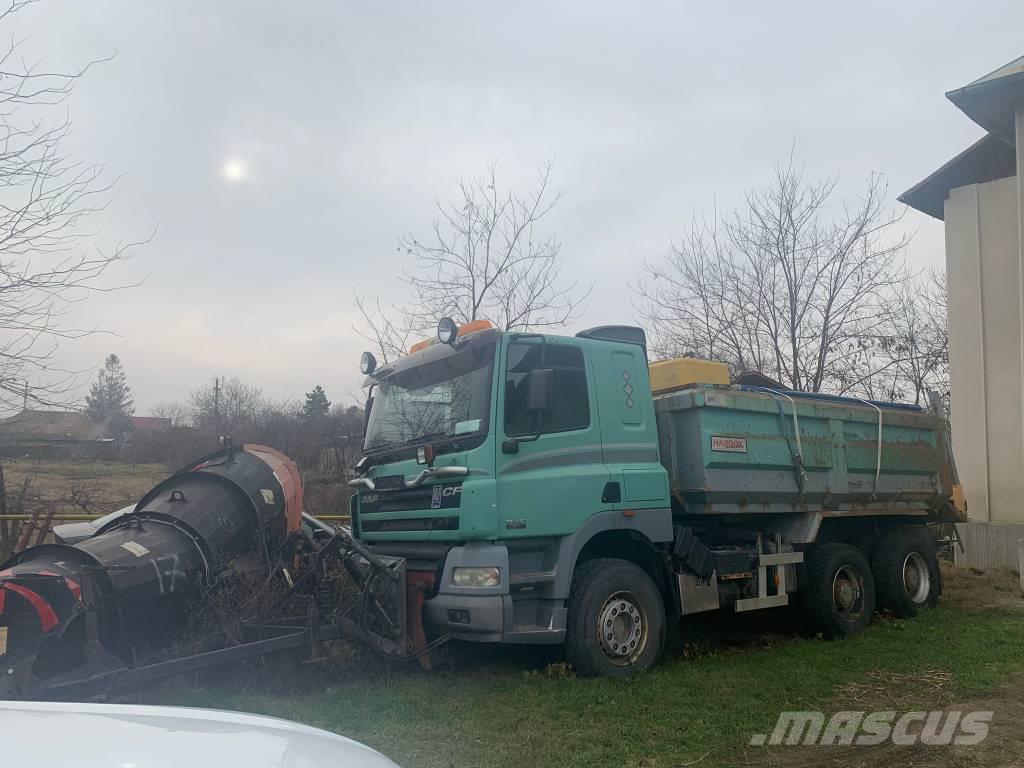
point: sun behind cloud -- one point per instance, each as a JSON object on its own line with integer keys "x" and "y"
{"x": 234, "y": 169}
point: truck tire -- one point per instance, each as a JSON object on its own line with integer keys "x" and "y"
{"x": 616, "y": 622}
{"x": 838, "y": 589}
{"x": 906, "y": 572}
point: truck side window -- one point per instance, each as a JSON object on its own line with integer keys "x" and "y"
{"x": 570, "y": 408}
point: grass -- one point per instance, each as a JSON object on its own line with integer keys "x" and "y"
{"x": 58, "y": 474}
{"x": 704, "y": 708}
{"x": 504, "y": 707}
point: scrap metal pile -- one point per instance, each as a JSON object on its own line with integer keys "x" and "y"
{"x": 76, "y": 619}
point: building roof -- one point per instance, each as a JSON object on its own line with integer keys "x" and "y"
{"x": 51, "y": 426}
{"x": 150, "y": 422}
{"x": 991, "y": 102}
{"x": 988, "y": 159}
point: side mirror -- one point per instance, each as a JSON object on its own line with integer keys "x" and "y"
{"x": 538, "y": 390}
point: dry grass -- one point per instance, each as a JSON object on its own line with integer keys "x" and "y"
{"x": 971, "y": 588}
{"x": 111, "y": 483}
{"x": 70, "y": 488}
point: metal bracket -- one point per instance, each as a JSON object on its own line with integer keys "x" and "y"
{"x": 778, "y": 561}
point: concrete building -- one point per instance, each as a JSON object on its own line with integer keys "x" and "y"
{"x": 979, "y": 194}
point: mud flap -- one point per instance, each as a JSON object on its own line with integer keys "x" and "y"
{"x": 417, "y": 585}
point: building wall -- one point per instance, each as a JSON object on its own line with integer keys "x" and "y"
{"x": 986, "y": 365}
{"x": 989, "y": 546}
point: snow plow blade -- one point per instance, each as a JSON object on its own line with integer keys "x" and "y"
{"x": 76, "y": 619}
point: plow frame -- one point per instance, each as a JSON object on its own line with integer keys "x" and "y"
{"x": 105, "y": 673}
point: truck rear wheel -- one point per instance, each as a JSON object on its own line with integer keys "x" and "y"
{"x": 616, "y": 623}
{"x": 906, "y": 572}
{"x": 838, "y": 597}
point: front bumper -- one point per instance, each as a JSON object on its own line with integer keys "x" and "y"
{"x": 480, "y": 618}
{"x": 490, "y": 614}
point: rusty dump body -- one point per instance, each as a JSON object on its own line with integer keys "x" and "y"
{"x": 81, "y": 615}
{"x": 732, "y": 450}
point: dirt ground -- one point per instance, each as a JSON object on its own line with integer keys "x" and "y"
{"x": 926, "y": 691}
{"x": 971, "y": 588}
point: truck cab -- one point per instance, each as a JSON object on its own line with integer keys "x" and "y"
{"x": 493, "y": 461}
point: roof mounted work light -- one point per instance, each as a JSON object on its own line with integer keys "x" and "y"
{"x": 447, "y": 330}
{"x": 367, "y": 363}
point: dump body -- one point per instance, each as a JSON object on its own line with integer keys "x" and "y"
{"x": 733, "y": 450}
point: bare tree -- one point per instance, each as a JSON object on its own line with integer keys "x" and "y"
{"x": 487, "y": 258}
{"x": 389, "y": 329}
{"x": 228, "y": 407}
{"x": 782, "y": 285}
{"x": 46, "y": 262}
{"x": 177, "y": 413}
{"x": 913, "y": 349}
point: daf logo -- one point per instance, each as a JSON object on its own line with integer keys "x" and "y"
{"x": 440, "y": 492}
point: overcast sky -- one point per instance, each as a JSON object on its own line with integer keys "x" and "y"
{"x": 282, "y": 147}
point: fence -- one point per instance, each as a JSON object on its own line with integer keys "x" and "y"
{"x": 990, "y": 545}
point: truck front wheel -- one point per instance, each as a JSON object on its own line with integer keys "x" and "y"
{"x": 616, "y": 623}
{"x": 906, "y": 572}
{"x": 838, "y": 591}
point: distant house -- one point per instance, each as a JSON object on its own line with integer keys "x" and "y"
{"x": 55, "y": 434}
{"x": 150, "y": 423}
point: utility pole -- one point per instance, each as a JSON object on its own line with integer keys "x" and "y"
{"x": 216, "y": 402}
{"x": 24, "y": 399}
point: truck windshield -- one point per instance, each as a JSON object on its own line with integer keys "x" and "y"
{"x": 444, "y": 398}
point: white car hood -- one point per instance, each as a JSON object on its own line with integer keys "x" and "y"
{"x": 36, "y": 734}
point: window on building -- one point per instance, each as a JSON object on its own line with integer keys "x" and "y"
{"x": 569, "y": 406}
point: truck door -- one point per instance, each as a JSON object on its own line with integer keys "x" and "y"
{"x": 552, "y": 478}
{"x": 628, "y": 429}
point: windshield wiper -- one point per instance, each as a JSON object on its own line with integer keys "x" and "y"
{"x": 427, "y": 437}
{"x": 386, "y": 445}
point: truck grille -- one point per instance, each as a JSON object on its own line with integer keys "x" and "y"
{"x": 389, "y": 482}
{"x": 437, "y": 496}
{"x": 410, "y": 524}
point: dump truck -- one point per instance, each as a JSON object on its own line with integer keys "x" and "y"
{"x": 547, "y": 489}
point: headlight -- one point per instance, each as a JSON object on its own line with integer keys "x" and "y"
{"x": 476, "y": 577}
{"x": 447, "y": 330}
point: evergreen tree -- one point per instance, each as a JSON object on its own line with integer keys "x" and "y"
{"x": 110, "y": 396}
{"x": 317, "y": 405}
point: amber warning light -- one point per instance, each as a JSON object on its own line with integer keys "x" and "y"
{"x": 448, "y": 332}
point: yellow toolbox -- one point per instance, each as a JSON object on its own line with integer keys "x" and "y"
{"x": 667, "y": 375}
